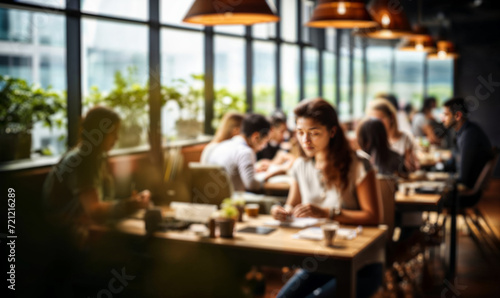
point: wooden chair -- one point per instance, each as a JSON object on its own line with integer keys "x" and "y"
{"x": 386, "y": 194}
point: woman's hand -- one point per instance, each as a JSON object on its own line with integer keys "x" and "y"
{"x": 279, "y": 213}
{"x": 309, "y": 210}
{"x": 262, "y": 165}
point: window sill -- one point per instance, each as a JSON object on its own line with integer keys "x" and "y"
{"x": 48, "y": 161}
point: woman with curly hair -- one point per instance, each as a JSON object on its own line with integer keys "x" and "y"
{"x": 329, "y": 181}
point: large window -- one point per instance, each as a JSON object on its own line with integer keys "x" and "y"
{"x": 409, "y": 78}
{"x": 115, "y": 74}
{"x": 311, "y": 87}
{"x": 358, "y": 77}
{"x": 379, "y": 70}
{"x": 345, "y": 73}
{"x": 440, "y": 79}
{"x": 183, "y": 84}
{"x": 229, "y": 76}
{"x": 288, "y": 14}
{"x": 264, "y": 77}
{"x": 329, "y": 76}
{"x": 289, "y": 77}
{"x": 134, "y": 9}
{"x": 32, "y": 49}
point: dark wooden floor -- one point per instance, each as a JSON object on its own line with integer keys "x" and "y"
{"x": 478, "y": 274}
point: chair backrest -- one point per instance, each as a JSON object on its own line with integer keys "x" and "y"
{"x": 487, "y": 172}
{"x": 386, "y": 193}
{"x": 210, "y": 184}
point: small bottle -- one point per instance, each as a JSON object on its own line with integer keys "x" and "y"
{"x": 211, "y": 228}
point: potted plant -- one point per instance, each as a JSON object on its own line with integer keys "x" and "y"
{"x": 227, "y": 216}
{"x": 22, "y": 105}
{"x": 189, "y": 98}
{"x": 130, "y": 100}
{"x": 239, "y": 204}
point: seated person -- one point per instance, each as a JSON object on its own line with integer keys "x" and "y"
{"x": 228, "y": 128}
{"x": 276, "y": 136}
{"x": 372, "y": 139}
{"x": 423, "y": 122}
{"x": 237, "y": 154}
{"x": 473, "y": 146}
{"x": 400, "y": 142}
{"x": 329, "y": 181}
{"x": 79, "y": 190}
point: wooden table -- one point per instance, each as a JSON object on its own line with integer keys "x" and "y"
{"x": 280, "y": 249}
{"x": 418, "y": 202}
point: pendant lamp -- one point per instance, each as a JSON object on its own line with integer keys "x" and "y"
{"x": 391, "y": 19}
{"x": 445, "y": 50}
{"x": 230, "y": 12}
{"x": 341, "y": 14}
{"x": 419, "y": 41}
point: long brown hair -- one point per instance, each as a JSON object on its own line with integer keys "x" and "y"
{"x": 339, "y": 157}
{"x": 372, "y": 139}
{"x": 385, "y": 106}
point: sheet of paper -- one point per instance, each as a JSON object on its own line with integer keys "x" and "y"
{"x": 315, "y": 233}
{"x": 297, "y": 222}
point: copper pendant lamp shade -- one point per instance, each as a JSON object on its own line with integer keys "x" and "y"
{"x": 341, "y": 14}
{"x": 391, "y": 19}
{"x": 230, "y": 12}
{"x": 445, "y": 50}
{"x": 419, "y": 41}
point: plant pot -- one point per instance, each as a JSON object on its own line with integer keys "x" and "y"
{"x": 130, "y": 135}
{"x": 226, "y": 227}
{"x": 15, "y": 146}
{"x": 188, "y": 129}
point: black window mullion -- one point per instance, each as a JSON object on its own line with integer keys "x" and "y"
{"x": 155, "y": 81}
{"x": 351, "y": 73}
{"x": 301, "y": 49}
{"x": 73, "y": 70}
{"x": 338, "y": 40}
{"x": 209, "y": 79}
{"x": 277, "y": 63}
{"x": 249, "y": 67}
{"x": 365, "y": 73}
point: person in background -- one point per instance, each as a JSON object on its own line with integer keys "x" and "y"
{"x": 423, "y": 122}
{"x": 229, "y": 127}
{"x": 276, "y": 136}
{"x": 237, "y": 155}
{"x": 473, "y": 146}
{"x": 399, "y": 141}
{"x": 330, "y": 181}
{"x": 79, "y": 190}
{"x": 372, "y": 139}
{"x": 403, "y": 121}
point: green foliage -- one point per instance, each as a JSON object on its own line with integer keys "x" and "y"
{"x": 228, "y": 211}
{"x": 224, "y": 102}
{"x": 128, "y": 98}
{"x": 22, "y": 105}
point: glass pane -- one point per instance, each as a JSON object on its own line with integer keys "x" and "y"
{"x": 440, "y": 79}
{"x": 265, "y": 30}
{"x": 237, "y": 29}
{"x": 289, "y": 78}
{"x": 343, "y": 108}
{"x": 229, "y": 77}
{"x": 331, "y": 37}
{"x": 115, "y": 73}
{"x": 379, "y": 70}
{"x": 173, "y": 11}
{"x": 182, "y": 67}
{"x": 28, "y": 53}
{"x": 264, "y": 77}
{"x": 307, "y": 11}
{"x": 134, "y": 9}
{"x": 409, "y": 78}
{"x": 329, "y": 77}
{"x": 53, "y": 3}
{"x": 311, "y": 88}
{"x": 358, "y": 84}
{"x": 288, "y": 14}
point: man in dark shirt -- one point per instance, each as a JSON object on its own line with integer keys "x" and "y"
{"x": 473, "y": 146}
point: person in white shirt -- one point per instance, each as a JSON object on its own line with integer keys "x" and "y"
{"x": 237, "y": 155}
